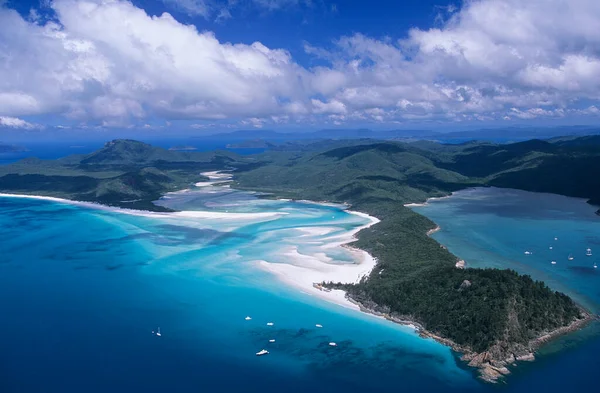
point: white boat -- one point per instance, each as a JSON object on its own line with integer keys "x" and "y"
{"x": 553, "y": 262}
{"x": 550, "y": 247}
{"x": 588, "y": 252}
{"x": 158, "y": 332}
{"x": 319, "y": 325}
{"x": 571, "y": 257}
{"x": 332, "y": 344}
{"x": 272, "y": 340}
{"x": 595, "y": 266}
{"x": 269, "y": 323}
{"x": 247, "y": 318}
{"x": 555, "y": 238}
{"x": 527, "y": 252}
{"x": 262, "y": 352}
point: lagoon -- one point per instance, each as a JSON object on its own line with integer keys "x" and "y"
{"x": 82, "y": 289}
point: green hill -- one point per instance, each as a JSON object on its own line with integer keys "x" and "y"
{"x": 123, "y": 173}
{"x": 496, "y": 312}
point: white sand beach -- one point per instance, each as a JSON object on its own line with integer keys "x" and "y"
{"x": 144, "y": 213}
{"x": 425, "y": 203}
{"x": 302, "y": 271}
{"x": 215, "y": 177}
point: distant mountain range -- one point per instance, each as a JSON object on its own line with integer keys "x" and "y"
{"x": 496, "y": 134}
{"x": 270, "y": 135}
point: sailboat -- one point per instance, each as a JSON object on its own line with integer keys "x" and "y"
{"x": 158, "y": 332}
{"x": 588, "y": 252}
{"x": 595, "y": 265}
{"x": 571, "y": 257}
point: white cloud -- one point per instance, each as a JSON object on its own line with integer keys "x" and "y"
{"x": 110, "y": 62}
{"x": 254, "y": 122}
{"x": 14, "y": 122}
{"x": 328, "y": 107}
{"x": 488, "y": 57}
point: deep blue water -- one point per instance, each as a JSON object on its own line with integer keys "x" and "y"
{"x": 82, "y": 289}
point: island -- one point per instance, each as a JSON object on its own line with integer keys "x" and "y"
{"x": 492, "y": 317}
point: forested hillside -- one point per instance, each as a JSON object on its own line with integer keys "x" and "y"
{"x": 123, "y": 173}
{"x": 490, "y": 310}
{"x": 498, "y": 311}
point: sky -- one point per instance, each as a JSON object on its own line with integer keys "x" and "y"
{"x": 215, "y": 65}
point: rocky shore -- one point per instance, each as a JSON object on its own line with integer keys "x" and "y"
{"x": 492, "y": 365}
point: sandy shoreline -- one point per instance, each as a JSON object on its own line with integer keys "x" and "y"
{"x": 306, "y": 270}
{"x": 147, "y": 213}
{"x": 215, "y": 178}
{"x": 426, "y": 202}
{"x": 310, "y": 269}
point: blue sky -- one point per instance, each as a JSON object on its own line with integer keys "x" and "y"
{"x": 206, "y": 66}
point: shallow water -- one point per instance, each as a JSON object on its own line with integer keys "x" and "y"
{"x": 82, "y": 289}
{"x": 491, "y": 227}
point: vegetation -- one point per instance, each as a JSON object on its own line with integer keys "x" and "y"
{"x": 123, "y": 173}
{"x": 415, "y": 278}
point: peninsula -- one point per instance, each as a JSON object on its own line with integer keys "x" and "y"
{"x": 493, "y": 317}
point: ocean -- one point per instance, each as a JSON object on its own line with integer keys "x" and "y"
{"x": 82, "y": 290}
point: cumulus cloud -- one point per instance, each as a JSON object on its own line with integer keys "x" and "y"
{"x": 14, "y": 122}
{"x": 487, "y": 58}
{"x": 110, "y": 62}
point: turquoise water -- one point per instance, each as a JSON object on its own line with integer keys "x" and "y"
{"x": 491, "y": 227}
{"x": 82, "y": 289}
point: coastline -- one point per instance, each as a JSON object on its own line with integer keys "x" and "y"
{"x": 147, "y": 213}
{"x": 427, "y": 201}
{"x": 307, "y": 272}
{"x": 490, "y": 366}
{"x": 434, "y": 230}
{"x": 301, "y": 276}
